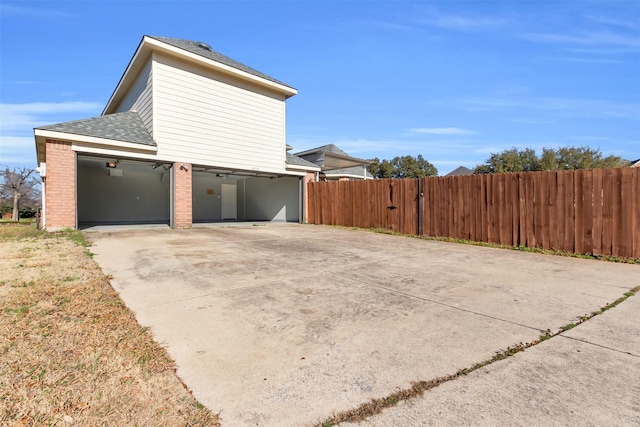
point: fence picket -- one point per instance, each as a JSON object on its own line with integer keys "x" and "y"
{"x": 594, "y": 211}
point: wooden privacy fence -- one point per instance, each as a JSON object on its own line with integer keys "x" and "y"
{"x": 583, "y": 211}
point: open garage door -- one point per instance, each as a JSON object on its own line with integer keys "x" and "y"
{"x": 119, "y": 191}
{"x": 257, "y": 198}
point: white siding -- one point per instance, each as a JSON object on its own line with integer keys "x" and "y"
{"x": 140, "y": 97}
{"x": 207, "y": 118}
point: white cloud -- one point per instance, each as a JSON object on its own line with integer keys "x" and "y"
{"x": 457, "y": 22}
{"x": 22, "y": 118}
{"x": 586, "y": 39}
{"x": 460, "y": 23}
{"x": 565, "y": 107}
{"x": 442, "y": 131}
{"x": 18, "y": 150}
{"x": 17, "y": 145}
{"x": 34, "y": 12}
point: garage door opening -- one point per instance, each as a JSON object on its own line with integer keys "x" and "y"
{"x": 122, "y": 192}
{"x": 220, "y": 197}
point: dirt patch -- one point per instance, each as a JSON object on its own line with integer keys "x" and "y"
{"x": 71, "y": 352}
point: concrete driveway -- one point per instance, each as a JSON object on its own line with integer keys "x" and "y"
{"x": 284, "y": 325}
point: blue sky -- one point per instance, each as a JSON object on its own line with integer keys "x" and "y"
{"x": 453, "y": 81}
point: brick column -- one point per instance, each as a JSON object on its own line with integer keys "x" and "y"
{"x": 182, "y": 195}
{"x": 309, "y": 177}
{"x": 60, "y": 185}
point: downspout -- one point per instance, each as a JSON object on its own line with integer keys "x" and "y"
{"x": 42, "y": 170}
{"x": 44, "y": 203}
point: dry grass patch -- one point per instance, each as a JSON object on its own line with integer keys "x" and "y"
{"x": 71, "y": 352}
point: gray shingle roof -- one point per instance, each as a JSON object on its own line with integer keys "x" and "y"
{"x": 460, "y": 171}
{"x": 297, "y": 161}
{"x": 329, "y": 148}
{"x": 356, "y": 170}
{"x": 198, "y": 49}
{"x": 126, "y": 127}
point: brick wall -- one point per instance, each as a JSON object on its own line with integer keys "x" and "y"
{"x": 183, "y": 203}
{"x": 60, "y": 185}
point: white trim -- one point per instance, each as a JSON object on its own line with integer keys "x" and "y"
{"x": 219, "y": 66}
{"x": 303, "y": 168}
{"x": 93, "y": 140}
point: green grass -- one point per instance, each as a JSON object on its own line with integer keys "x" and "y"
{"x": 418, "y": 388}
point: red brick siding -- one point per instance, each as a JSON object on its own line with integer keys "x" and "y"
{"x": 182, "y": 195}
{"x": 60, "y": 185}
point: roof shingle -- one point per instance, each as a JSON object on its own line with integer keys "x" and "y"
{"x": 297, "y": 161}
{"x": 126, "y": 127}
{"x": 198, "y": 49}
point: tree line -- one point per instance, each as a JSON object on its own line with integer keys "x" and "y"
{"x": 564, "y": 158}
{"x": 402, "y": 167}
{"x": 509, "y": 160}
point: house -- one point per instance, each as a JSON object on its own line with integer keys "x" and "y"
{"x": 189, "y": 135}
{"x": 335, "y": 164}
{"x": 460, "y": 171}
{"x": 635, "y": 163}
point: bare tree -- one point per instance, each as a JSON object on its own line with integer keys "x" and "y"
{"x": 19, "y": 184}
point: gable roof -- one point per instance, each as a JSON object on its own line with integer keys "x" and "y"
{"x": 297, "y": 161}
{"x": 329, "y": 148}
{"x": 125, "y": 127}
{"x": 191, "y": 52}
{"x": 358, "y": 171}
{"x": 330, "y": 157}
{"x": 203, "y": 49}
{"x": 460, "y": 171}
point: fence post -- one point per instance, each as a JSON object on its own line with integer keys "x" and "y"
{"x": 420, "y": 205}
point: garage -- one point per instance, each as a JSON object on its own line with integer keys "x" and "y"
{"x": 117, "y": 191}
{"x": 242, "y": 196}
{"x": 113, "y": 191}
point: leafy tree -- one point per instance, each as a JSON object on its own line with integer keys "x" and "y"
{"x": 511, "y": 160}
{"x": 564, "y": 158}
{"x": 402, "y": 167}
{"x": 19, "y": 186}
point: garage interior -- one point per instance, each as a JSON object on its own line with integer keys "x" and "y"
{"x": 119, "y": 191}
{"x": 242, "y": 196}
{"x": 114, "y": 191}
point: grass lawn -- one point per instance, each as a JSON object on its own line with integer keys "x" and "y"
{"x": 70, "y": 351}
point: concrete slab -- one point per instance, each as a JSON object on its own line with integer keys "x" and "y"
{"x": 563, "y": 381}
{"x": 285, "y": 325}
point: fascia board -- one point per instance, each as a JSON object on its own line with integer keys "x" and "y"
{"x": 129, "y": 73}
{"x": 93, "y": 140}
{"x": 288, "y": 91}
{"x": 304, "y": 168}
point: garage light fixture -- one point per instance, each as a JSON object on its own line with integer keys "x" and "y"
{"x": 112, "y": 165}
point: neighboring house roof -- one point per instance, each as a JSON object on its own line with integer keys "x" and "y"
{"x": 203, "y": 49}
{"x": 297, "y": 161}
{"x": 460, "y": 171}
{"x": 125, "y": 127}
{"x": 330, "y": 157}
{"x": 356, "y": 171}
{"x": 329, "y": 148}
{"x": 635, "y": 163}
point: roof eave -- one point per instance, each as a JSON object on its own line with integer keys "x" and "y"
{"x": 304, "y": 168}
{"x": 136, "y": 63}
{"x": 42, "y": 135}
{"x": 148, "y": 45}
